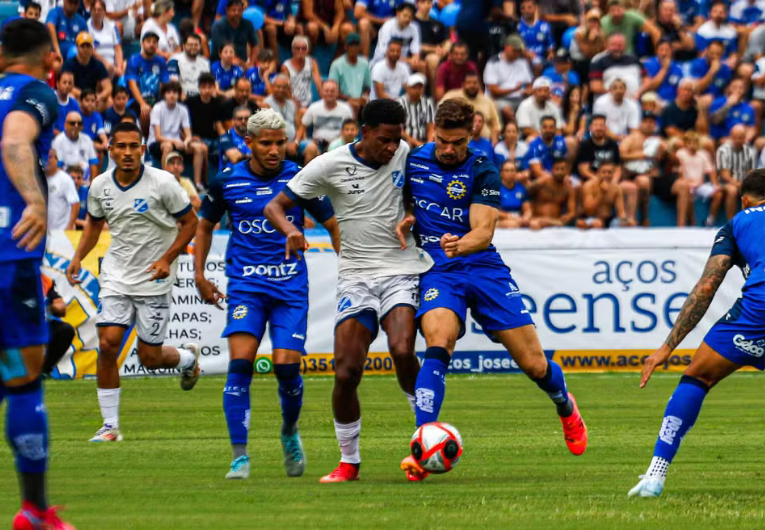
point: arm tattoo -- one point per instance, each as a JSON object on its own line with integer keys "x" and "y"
{"x": 698, "y": 301}
{"x": 19, "y": 161}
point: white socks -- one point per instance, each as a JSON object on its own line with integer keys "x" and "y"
{"x": 109, "y": 401}
{"x": 658, "y": 467}
{"x": 348, "y": 439}
{"x": 411, "y": 400}
{"x": 186, "y": 358}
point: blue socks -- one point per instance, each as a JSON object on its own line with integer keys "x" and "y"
{"x": 26, "y": 427}
{"x": 236, "y": 403}
{"x": 290, "y": 395}
{"x": 680, "y": 415}
{"x": 431, "y": 385}
{"x": 554, "y": 384}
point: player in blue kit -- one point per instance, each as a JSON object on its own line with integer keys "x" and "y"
{"x": 264, "y": 284}
{"x": 735, "y": 341}
{"x": 454, "y": 197}
{"x": 28, "y": 110}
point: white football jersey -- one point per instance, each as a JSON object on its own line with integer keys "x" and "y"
{"x": 142, "y": 222}
{"x": 368, "y": 202}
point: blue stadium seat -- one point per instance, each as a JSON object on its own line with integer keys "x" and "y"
{"x": 8, "y": 9}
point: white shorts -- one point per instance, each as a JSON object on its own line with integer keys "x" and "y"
{"x": 151, "y": 314}
{"x": 378, "y": 296}
{"x": 705, "y": 191}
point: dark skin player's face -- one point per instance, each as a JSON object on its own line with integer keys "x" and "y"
{"x": 381, "y": 142}
{"x": 452, "y": 145}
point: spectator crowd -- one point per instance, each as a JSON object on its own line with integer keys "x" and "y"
{"x": 592, "y": 110}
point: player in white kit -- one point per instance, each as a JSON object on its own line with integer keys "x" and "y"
{"x": 378, "y": 269}
{"x": 144, "y": 207}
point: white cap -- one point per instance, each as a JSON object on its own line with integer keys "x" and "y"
{"x": 541, "y": 82}
{"x": 415, "y": 79}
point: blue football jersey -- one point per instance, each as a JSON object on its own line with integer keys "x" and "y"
{"x": 668, "y": 88}
{"x": 544, "y": 154}
{"x": 538, "y": 38}
{"x": 379, "y": 8}
{"x": 231, "y": 140}
{"x": 226, "y": 78}
{"x": 148, "y": 74}
{"x": 255, "y": 260}
{"x": 19, "y": 92}
{"x": 442, "y": 197}
{"x": 741, "y": 239}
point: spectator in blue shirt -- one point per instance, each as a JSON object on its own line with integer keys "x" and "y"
{"x": 82, "y": 191}
{"x": 260, "y": 76}
{"x": 31, "y": 11}
{"x": 546, "y": 148}
{"x": 114, "y": 114}
{"x": 536, "y": 35}
{"x": 711, "y": 73}
{"x": 64, "y": 24}
{"x": 66, "y": 102}
{"x": 561, "y": 74}
{"x": 225, "y": 71}
{"x": 478, "y": 143}
{"x": 92, "y": 122}
{"x": 663, "y": 73}
{"x": 372, "y": 14}
{"x": 730, "y": 110}
{"x": 515, "y": 208}
{"x": 145, "y": 73}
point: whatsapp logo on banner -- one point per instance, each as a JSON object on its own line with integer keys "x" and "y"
{"x": 263, "y": 365}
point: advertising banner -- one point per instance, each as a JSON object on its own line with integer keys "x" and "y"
{"x": 601, "y": 301}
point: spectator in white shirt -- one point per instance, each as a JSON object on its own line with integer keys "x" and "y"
{"x": 622, "y": 113}
{"x": 187, "y": 66}
{"x": 389, "y": 76}
{"x": 73, "y": 148}
{"x": 129, "y": 13}
{"x": 63, "y": 199}
{"x": 508, "y": 77}
{"x": 532, "y": 109}
{"x": 326, "y": 116}
{"x": 161, "y": 24}
{"x": 400, "y": 27}
{"x": 282, "y": 103}
{"x": 106, "y": 38}
{"x": 170, "y": 129}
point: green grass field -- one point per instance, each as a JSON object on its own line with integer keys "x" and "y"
{"x": 515, "y": 471}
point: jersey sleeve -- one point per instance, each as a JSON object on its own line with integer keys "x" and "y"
{"x": 486, "y": 184}
{"x": 72, "y": 197}
{"x": 226, "y": 143}
{"x": 92, "y": 155}
{"x": 94, "y": 206}
{"x": 39, "y": 101}
{"x": 175, "y": 199}
{"x": 725, "y": 242}
{"x": 213, "y": 205}
{"x": 309, "y": 182}
{"x": 320, "y": 208}
{"x": 131, "y": 71}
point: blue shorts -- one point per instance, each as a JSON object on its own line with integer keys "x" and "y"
{"x": 487, "y": 289}
{"x": 249, "y": 313}
{"x": 22, "y": 313}
{"x": 739, "y": 336}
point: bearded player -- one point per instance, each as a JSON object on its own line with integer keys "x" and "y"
{"x": 454, "y": 197}
{"x": 264, "y": 285}
{"x": 144, "y": 207}
{"x": 735, "y": 341}
{"x": 377, "y": 279}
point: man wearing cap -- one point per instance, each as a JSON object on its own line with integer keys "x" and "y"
{"x": 64, "y": 24}
{"x": 420, "y": 112}
{"x": 560, "y": 74}
{"x": 532, "y": 109}
{"x": 628, "y": 22}
{"x": 372, "y": 14}
{"x": 89, "y": 72}
{"x": 352, "y": 74}
{"x": 144, "y": 73}
{"x": 471, "y": 91}
{"x": 508, "y": 77}
{"x": 173, "y": 163}
{"x": 390, "y": 75}
{"x": 401, "y": 28}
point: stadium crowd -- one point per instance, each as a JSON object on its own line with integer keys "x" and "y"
{"x": 587, "y": 109}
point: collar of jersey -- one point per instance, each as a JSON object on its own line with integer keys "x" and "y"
{"x": 355, "y": 155}
{"x": 136, "y": 181}
{"x": 262, "y": 178}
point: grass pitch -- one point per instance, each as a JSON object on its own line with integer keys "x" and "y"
{"x": 515, "y": 471}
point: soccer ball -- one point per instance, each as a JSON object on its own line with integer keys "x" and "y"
{"x": 436, "y": 446}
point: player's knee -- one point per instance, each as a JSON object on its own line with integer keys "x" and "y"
{"x": 348, "y": 374}
{"x": 535, "y": 368}
{"x": 108, "y": 349}
{"x": 401, "y": 348}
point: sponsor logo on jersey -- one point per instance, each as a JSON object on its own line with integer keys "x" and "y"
{"x": 282, "y": 270}
{"x": 418, "y": 180}
{"x": 5, "y": 217}
{"x": 6, "y": 93}
{"x": 141, "y": 205}
{"x": 492, "y": 193}
{"x": 398, "y": 178}
{"x": 453, "y": 214}
{"x": 749, "y": 346}
{"x": 237, "y": 184}
{"x": 462, "y": 175}
{"x": 345, "y": 303}
{"x": 420, "y": 166}
{"x": 456, "y": 190}
{"x": 356, "y": 189}
{"x": 265, "y": 191}
{"x": 514, "y": 291}
{"x": 351, "y": 170}
{"x": 239, "y": 312}
{"x": 431, "y": 294}
{"x": 353, "y": 179}
{"x": 243, "y": 201}
{"x": 436, "y": 178}
{"x": 298, "y": 336}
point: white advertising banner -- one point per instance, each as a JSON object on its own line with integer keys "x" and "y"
{"x": 601, "y": 300}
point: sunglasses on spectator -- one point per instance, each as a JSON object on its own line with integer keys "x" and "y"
{"x": 240, "y": 118}
{"x": 75, "y": 123}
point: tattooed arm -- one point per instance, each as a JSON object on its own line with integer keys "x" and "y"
{"x": 18, "y": 154}
{"x": 692, "y": 312}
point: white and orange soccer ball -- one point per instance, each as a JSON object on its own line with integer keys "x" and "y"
{"x": 436, "y": 446}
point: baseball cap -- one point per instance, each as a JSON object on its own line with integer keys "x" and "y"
{"x": 171, "y": 155}
{"x": 649, "y": 116}
{"x": 415, "y": 79}
{"x": 149, "y": 34}
{"x": 352, "y": 38}
{"x": 84, "y": 38}
{"x": 615, "y": 3}
{"x": 562, "y": 55}
{"x": 515, "y": 41}
{"x": 541, "y": 82}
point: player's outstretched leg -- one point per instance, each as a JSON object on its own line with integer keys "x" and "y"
{"x": 400, "y": 328}
{"x": 236, "y": 407}
{"x": 291, "y": 399}
{"x": 706, "y": 369}
{"x": 523, "y": 345}
{"x": 108, "y": 378}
